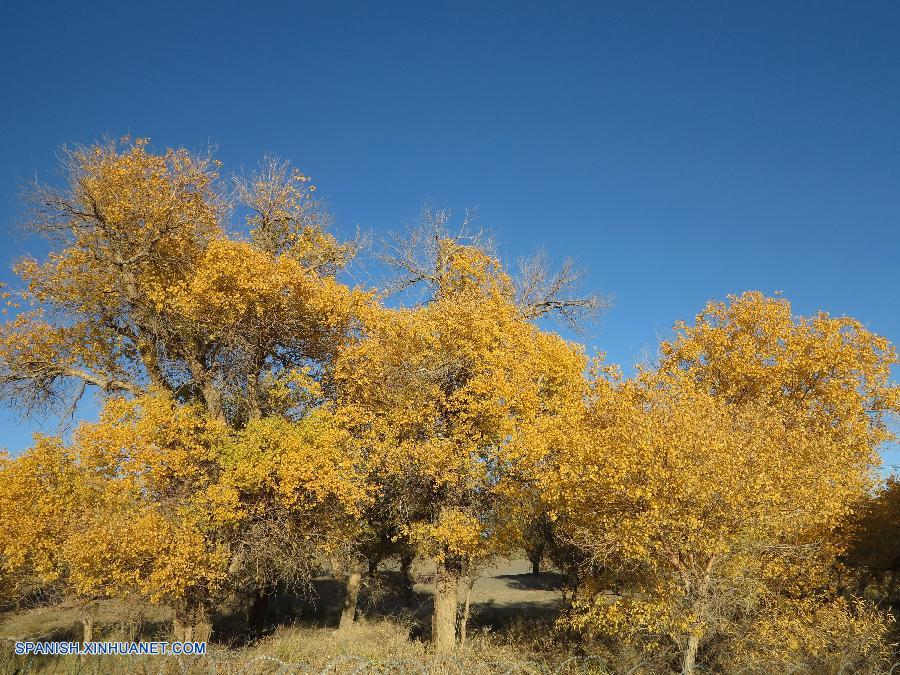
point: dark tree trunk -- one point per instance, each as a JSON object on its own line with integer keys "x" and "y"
{"x": 406, "y": 563}
{"x": 260, "y": 609}
{"x": 535, "y": 555}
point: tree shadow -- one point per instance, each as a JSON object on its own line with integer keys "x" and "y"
{"x": 387, "y": 596}
{"x": 545, "y": 581}
{"x": 319, "y": 604}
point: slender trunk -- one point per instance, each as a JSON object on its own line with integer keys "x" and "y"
{"x": 202, "y": 628}
{"x": 406, "y": 563}
{"x": 689, "y": 662}
{"x": 205, "y": 380}
{"x": 259, "y": 609}
{"x": 535, "y": 555}
{"x": 213, "y": 399}
{"x": 354, "y": 581}
{"x": 464, "y": 620}
{"x": 192, "y": 624}
{"x": 87, "y": 625}
{"x": 147, "y": 352}
{"x": 443, "y": 621}
{"x": 253, "y": 394}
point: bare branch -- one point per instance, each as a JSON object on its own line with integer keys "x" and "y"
{"x": 286, "y": 218}
{"x": 415, "y": 255}
{"x": 542, "y": 292}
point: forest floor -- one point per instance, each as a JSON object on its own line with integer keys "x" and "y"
{"x": 512, "y": 614}
{"x": 503, "y": 592}
{"x": 511, "y": 630}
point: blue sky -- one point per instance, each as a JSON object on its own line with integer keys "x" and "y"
{"x": 681, "y": 151}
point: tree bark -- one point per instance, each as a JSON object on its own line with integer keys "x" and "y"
{"x": 212, "y": 397}
{"x": 689, "y": 662}
{"x": 192, "y": 624}
{"x": 443, "y": 621}
{"x": 259, "y": 609}
{"x": 406, "y": 563}
{"x": 202, "y": 628}
{"x": 467, "y": 604}
{"x": 535, "y": 555}
{"x": 354, "y": 581}
{"x": 87, "y": 625}
{"x": 205, "y": 379}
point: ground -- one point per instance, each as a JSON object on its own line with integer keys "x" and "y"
{"x": 504, "y": 591}
{"x": 512, "y": 611}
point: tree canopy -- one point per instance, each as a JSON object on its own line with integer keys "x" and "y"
{"x": 263, "y": 419}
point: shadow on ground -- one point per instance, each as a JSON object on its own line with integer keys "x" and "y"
{"x": 501, "y": 598}
{"x": 545, "y": 581}
{"x": 505, "y": 595}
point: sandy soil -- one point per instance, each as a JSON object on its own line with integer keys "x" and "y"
{"x": 504, "y": 582}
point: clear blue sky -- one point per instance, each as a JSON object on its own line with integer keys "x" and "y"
{"x": 681, "y": 151}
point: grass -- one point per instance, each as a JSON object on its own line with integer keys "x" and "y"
{"x": 379, "y": 646}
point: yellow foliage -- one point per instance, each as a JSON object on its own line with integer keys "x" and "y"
{"x": 145, "y": 287}
{"x": 718, "y": 487}
{"x": 258, "y": 414}
{"x": 451, "y": 401}
{"x": 39, "y": 492}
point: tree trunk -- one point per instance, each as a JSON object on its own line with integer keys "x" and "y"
{"x": 689, "y": 663}
{"x": 354, "y": 581}
{"x": 535, "y": 555}
{"x": 181, "y": 629}
{"x": 443, "y": 621}
{"x": 690, "y": 655}
{"x": 259, "y": 609}
{"x": 87, "y": 625}
{"x": 464, "y": 620}
{"x": 202, "y": 628}
{"x": 406, "y": 563}
{"x": 192, "y": 624}
{"x": 213, "y": 399}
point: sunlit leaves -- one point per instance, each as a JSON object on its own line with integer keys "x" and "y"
{"x": 717, "y": 489}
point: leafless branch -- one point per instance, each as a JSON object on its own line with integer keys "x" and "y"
{"x": 540, "y": 292}
{"x": 414, "y": 256}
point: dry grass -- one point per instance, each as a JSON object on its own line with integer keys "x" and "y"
{"x": 114, "y": 620}
{"x": 507, "y": 635}
{"x": 374, "y": 646}
{"x": 370, "y": 647}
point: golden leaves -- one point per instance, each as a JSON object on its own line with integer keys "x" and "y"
{"x": 247, "y": 390}
{"x": 453, "y": 401}
{"x": 721, "y": 482}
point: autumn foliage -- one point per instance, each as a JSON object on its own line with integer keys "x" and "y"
{"x": 261, "y": 420}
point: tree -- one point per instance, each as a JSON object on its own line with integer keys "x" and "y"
{"x": 874, "y": 553}
{"x": 449, "y": 398}
{"x": 39, "y": 490}
{"x": 302, "y": 494}
{"x": 713, "y": 492}
{"x": 154, "y": 465}
{"x": 161, "y": 503}
{"x": 144, "y": 286}
{"x": 153, "y": 299}
{"x": 419, "y": 259}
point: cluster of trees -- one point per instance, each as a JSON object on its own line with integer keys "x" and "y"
{"x": 262, "y": 419}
